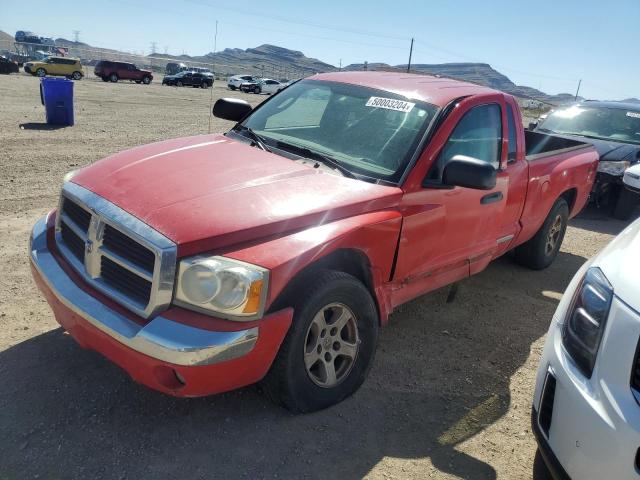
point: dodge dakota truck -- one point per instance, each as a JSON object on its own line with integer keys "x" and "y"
{"x": 275, "y": 252}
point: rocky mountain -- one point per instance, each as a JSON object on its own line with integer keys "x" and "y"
{"x": 279, "y": 62}
{"x": 480, "y": 73}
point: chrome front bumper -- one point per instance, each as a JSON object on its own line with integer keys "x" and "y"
{"x": 161, "y": 338}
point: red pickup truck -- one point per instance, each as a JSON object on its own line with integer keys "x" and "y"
{"x": 275, "y": 252}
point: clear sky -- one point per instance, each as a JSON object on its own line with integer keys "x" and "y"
{"x": 545, "y": 44}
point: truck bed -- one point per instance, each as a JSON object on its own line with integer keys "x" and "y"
{"x": 539, "y": 145}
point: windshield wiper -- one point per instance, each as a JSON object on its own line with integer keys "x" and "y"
{"x": 320, "y": 157}
{"x": 257, "y": 139}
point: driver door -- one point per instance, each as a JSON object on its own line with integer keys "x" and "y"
{"x": 449, "y": 232}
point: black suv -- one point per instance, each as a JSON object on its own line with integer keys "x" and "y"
{"x": 188, "y": 79}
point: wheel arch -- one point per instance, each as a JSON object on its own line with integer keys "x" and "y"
{"x": 352, "y": 261}
{"x": 570, "y": 197}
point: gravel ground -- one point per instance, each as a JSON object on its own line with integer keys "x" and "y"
{"x": 449, "y": 394}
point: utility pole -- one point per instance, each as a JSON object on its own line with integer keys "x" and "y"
{"x": 410, "y": 53}
{"x": 76, "y": 36}
{"x": 579, "y": 83}
{"x": 340, "y": 65}
{"x": 153, "y": 48}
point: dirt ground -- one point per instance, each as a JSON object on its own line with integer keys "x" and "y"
{"x": 449, "y": 394}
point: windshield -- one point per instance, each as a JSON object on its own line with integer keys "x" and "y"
{"x": 616, "y": 124}
{"x": 369, "y": 132}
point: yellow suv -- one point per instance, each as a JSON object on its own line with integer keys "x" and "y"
{"x": 61, "y": 66}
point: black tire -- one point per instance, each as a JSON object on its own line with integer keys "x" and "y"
{"x": 146, "y": 80}
{"x": 41, "y": 72}
{"x": 179, "y": 83}
{"x": 76, "y": 75}
{"x": 114, "y": 78}
{"x": 231, "y": 87}
{"x": 257, "y": 90}
{"x": 537, "y": 253}
{"x": 288, "y": 382}
{"x": 625, "y": 204}
{"x": 105, "y": 79}
{"x": 138, "y": 81}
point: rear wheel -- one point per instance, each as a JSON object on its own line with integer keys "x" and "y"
{"x": 113, "y": 77}
{"x": 41, "y": 72}
{"x": 76, "y": 75}
{"x": 330, "y": 346}
{"x": 257, "y": 90}
{"x": 105, "y": 79}
{"x": 540, "y": 251}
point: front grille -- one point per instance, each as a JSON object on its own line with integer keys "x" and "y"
{"x": 115, "y": 252}
{"x": 546, "y": 403}
{"x": 128, "y": 248}
{"x": 125, "y": 281}
{"x": 72, "y": 241}
{"x": 77, "y": 214}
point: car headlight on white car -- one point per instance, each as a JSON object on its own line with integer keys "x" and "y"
{"x": 222, "y": 286}
{"x": 586, "y": 319}
{"x": 613, "y": 168}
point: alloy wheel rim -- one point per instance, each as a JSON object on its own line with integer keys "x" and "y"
{"x": 331, "y": 345}
{"x": 554, "y": 235}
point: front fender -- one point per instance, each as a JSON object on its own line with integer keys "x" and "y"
{"x": 374, "y": 234}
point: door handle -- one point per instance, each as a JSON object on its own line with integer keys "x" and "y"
{"x": 491, "y": 198}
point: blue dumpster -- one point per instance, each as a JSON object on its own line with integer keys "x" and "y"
{"x": 57, "y": 97}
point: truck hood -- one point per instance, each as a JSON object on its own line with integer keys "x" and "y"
{"x": 210, "y": 191}
{"x": 620, "y": 262}
{"x": 610, "y": 151}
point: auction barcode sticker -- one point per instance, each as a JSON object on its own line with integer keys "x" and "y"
{"x": 391, "y": 104}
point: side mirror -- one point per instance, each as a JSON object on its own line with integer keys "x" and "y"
{"x": 532, "y": 125}
{"x": 463, "y": 171}
{"x": 233, "y": 109}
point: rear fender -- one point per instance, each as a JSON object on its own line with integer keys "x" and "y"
{"x": 372, "y": 236}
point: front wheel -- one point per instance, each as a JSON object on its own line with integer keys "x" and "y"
{"x": 76, "y": 75}
{"x": 41, "y": 72}
{"x": 541, "y": 250}
{"x": 146, "y": 80}
{"x": 257, "y": 90}
{"x": 178, "y": 83}
{"x": 330, "y": 346}
{"x": 105, "y": 79}
{"x": 232, "y": 87}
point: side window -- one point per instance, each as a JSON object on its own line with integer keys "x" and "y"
{"x": 513, "y": 143}
{"x": 478, "y": 135}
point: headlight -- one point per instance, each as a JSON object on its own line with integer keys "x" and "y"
{"x": 586, "y": 319}
{"x": 613, "y": 168}
{"x": 222, "y": 286}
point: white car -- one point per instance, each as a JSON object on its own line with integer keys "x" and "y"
{"x": 237, "y": 80}
{"x": 586, "y": 405}
{"x": 267, "y": 85}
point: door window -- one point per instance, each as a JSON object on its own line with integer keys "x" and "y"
{"x": 477, "y": 135}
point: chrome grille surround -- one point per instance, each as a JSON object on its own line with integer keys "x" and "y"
{"x": 105, "y": 213}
